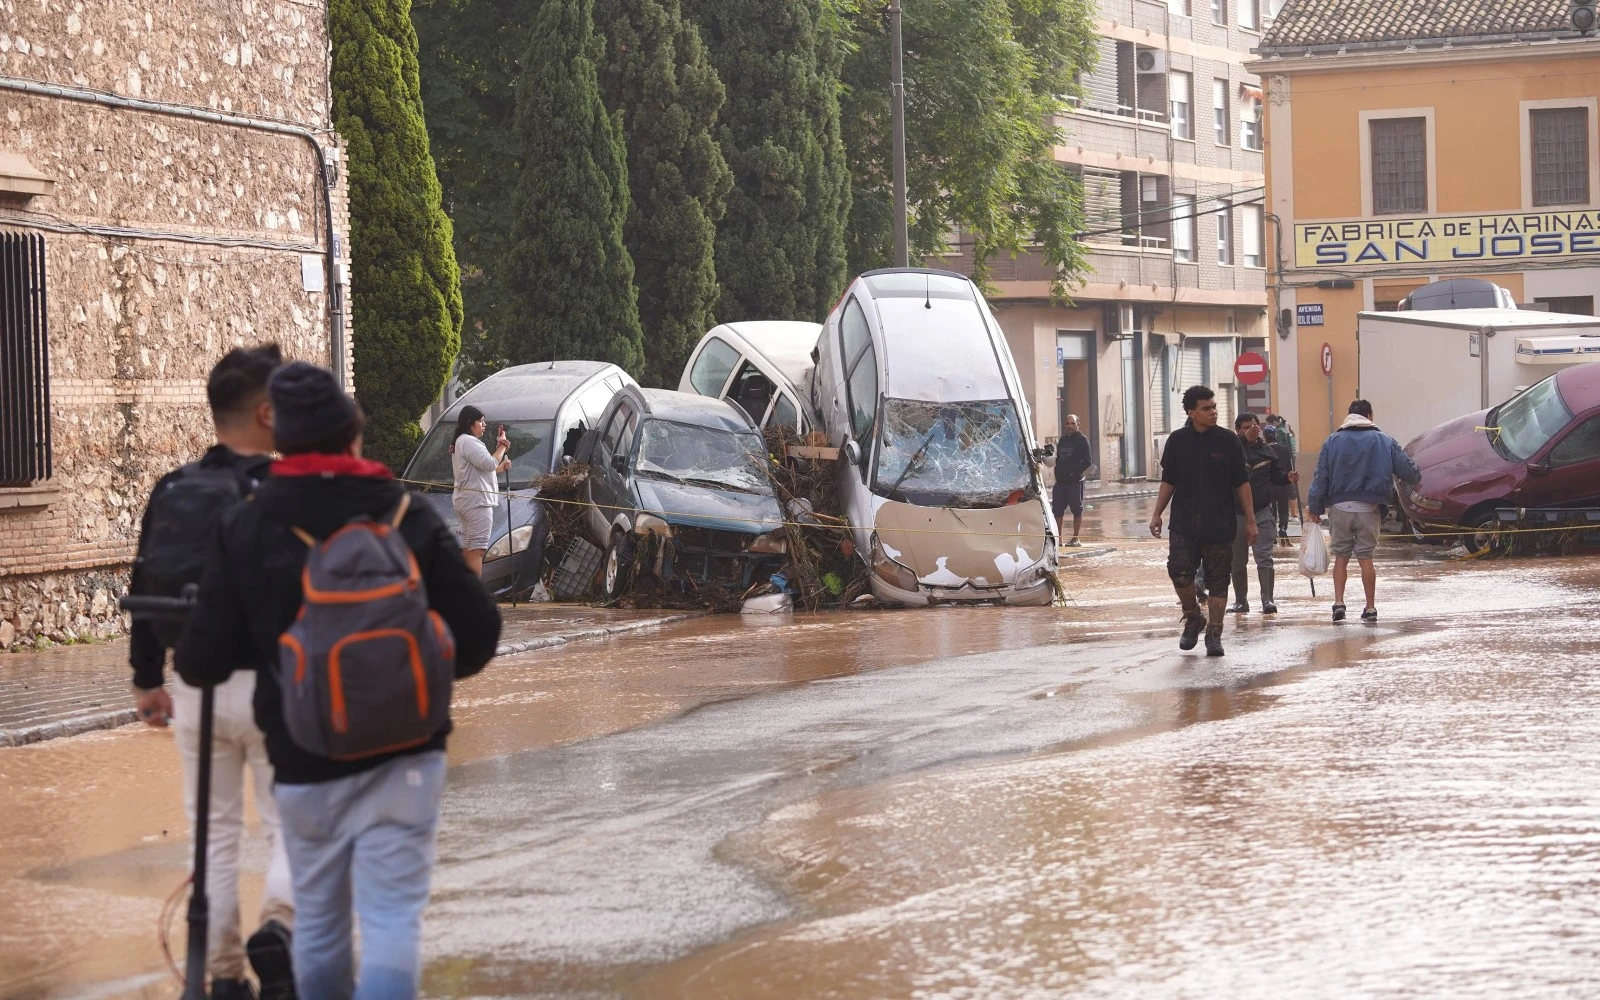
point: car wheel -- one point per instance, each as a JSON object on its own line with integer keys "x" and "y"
{"x": 619, "y": 565}
{"x": 1481, "y": 536}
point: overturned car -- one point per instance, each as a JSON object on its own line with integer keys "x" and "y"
{"x": 678, "y": 490}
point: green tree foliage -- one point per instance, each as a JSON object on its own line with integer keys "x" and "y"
{"x": 657, "y": 74}
{"x": 780, "y": 248}
{"x": 984, "y": 82}
{"x": 571, "y": 275}
{"x": 406, "y": 296}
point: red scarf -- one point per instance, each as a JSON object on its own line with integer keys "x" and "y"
{"x": 316, "y": 464}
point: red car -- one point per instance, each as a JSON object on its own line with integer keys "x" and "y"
{"x": 1541, "y": 448}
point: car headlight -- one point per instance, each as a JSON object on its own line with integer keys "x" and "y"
{"x": 1045, "y": 568}
{"x": 889, "y": 570}
{"x": 772, "y": 543}
{"x": 1422, "y": 502}
{"x": 517, "y": 541}
{"x": 649, "y": 524}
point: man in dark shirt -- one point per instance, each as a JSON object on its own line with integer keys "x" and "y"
{"x": 1073, "y": 459}
{"x": 1280, "y": 494}
{"x": 1268, "y": 472}
{"x": 1203, "y": 476}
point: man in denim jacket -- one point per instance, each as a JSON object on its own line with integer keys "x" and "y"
{"x": 1355, "y": 475}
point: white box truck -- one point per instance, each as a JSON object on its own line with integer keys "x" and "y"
{"x": 1422, "y": 368}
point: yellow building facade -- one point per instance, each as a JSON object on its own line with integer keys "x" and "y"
{"x": 1406, "y": 143}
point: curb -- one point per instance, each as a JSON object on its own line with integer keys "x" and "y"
{"x": 1087, "y": 553}
{"x": 1128, "y": 495}
{"x": 75, "y": 726}
{"x": 601, "y": 632}
{"x": 116, "y": 718}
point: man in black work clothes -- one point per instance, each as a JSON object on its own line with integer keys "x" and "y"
{"x": 1072, "y": 461}
{"x": 1268, "y": 472}
{"x": 1280, "y": 494}
{"x": 1203, "y": 476}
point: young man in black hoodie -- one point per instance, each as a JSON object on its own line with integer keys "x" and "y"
{"x": 355, "y": 830}
{"x": 1073, "y": 460}
{"x": 242, "y": 415}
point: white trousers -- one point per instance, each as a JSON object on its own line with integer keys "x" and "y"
{"x": 237, "y": 747}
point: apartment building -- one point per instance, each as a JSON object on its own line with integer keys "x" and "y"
{"x": 1409, "y": 141}
{"x": 1167, "y": 141}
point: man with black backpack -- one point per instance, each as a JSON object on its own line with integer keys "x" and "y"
{"x": 173, "y": 544}
{"x": 357, "y": 611}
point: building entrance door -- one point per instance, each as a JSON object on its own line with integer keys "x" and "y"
{"x": 1076, "y": 385}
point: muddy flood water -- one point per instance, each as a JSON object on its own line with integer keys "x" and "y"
{"x": 956, "y": 804}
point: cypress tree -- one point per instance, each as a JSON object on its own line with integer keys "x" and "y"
{"x": 406, "y": 294}
{"x": 569, "y": 270}
{"x": 780, "y": 248}
{"x": 657, "y": 75}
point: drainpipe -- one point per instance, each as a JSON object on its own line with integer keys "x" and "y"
{"x": 109, "y": 100}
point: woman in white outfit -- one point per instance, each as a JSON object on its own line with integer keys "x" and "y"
{"x": 476, "y": 492}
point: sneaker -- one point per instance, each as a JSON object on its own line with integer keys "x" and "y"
{"x": 1338, "y": 612}
{"x": 232, "y": 989}
{"x": 270, "y": 949}
{"x": 1074, "y": 544}
{"x": 1241, "y": 608}
{"x": 1369, "y": 615}
{"x": 1268, "y": 608}
{"x": 1213, "y": 643}
{"x": 1193, "y": 625}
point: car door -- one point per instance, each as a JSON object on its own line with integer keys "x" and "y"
{"x": 603, "y": 478}
{"x": 1569, "y": 473}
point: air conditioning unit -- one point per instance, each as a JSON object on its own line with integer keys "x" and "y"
{"x": 1150, "y": 61}
{"x": 1119, "y": 320}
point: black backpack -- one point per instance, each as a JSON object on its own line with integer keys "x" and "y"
{"x": 183, "y": 515}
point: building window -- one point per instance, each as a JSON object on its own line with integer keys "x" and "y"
{"x": 1399, "y": 165}
{"x": 1183, "y": 8}
{"x": 1183, "y": 227}
{"x": 1180, "y": 92}
{"x": 1572, "y": 305}
{"x": 1221, "y": 124}
{"x": 1219, "y": 11}
{"x": 1560, "y": 154}
{"x": 1250, "y": 14}
{"x": 24, "y": 362}
{"x": 1250, "y": 124}
{"x": 1252, "y": 235}
{"x": 1224, "y": 216}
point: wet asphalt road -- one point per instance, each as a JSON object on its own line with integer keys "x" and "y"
{"x": 983, "y": 803}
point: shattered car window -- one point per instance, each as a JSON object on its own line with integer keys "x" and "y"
{"x": 703, "y": 456}
{"x": 951, "y": 454}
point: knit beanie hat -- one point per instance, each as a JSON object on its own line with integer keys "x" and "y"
{"x": 307, "y": 406}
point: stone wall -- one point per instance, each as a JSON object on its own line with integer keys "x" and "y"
{"x": 213, "y": 219}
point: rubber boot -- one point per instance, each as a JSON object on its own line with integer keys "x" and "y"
{"x": 1241, "y": 592}
{"x": 1267, "y": 577}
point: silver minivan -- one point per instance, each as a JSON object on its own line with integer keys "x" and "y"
{"x": 940, "y": 472}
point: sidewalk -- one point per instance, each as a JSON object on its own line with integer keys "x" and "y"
{"x": 75, "y": 689}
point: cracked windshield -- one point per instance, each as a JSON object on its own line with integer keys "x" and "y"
{"x": 957, "y": 454}
{"x": 529, "y": 453}
{"x": 703, "y": 456}
{"x": 1531, "y": 419}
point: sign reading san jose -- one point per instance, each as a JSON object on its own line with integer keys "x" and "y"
{"x": 1447, "y": 239}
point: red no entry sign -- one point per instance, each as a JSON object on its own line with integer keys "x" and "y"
{"x": 1250, "y": 369}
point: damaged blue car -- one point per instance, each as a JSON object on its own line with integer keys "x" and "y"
{"x": 691, "y": 473}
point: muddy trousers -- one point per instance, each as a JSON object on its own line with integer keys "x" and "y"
{"x": 362, "y": 846}
{"x": 237, "y": 747}
{"x": 1266, "y": 525}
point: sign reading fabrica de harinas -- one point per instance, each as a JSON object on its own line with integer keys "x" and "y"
{"x": 1447, "y": 239}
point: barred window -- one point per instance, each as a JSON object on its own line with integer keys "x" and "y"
{"x": 1399, "y": 165}
{"x": 1560, "y": 156}
{"x": 24, "y": 362}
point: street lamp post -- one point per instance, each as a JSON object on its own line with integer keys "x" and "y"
{"x": 897, "y": 88}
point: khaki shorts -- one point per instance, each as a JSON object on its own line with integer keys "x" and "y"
{"x": 1354, "y": 534}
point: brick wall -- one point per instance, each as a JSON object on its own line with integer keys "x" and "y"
{"x": 136, "y": 321}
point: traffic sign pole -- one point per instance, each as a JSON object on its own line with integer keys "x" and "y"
{"x": 1327, "y": 369}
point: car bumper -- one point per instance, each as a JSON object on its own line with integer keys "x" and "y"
{"x": 1036, "y": 595}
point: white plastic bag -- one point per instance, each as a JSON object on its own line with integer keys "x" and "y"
{"x": 1313, "y": 550}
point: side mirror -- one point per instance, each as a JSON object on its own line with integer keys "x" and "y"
{"x": 1541, "y": 469}
{"x": 619, "y": 463}
{"x": 852, "y": 452}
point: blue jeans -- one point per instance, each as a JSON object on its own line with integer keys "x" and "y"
{"x": 369, "y": 836}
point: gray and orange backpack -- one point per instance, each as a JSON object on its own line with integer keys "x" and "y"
{"x": 367, "y": 667}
